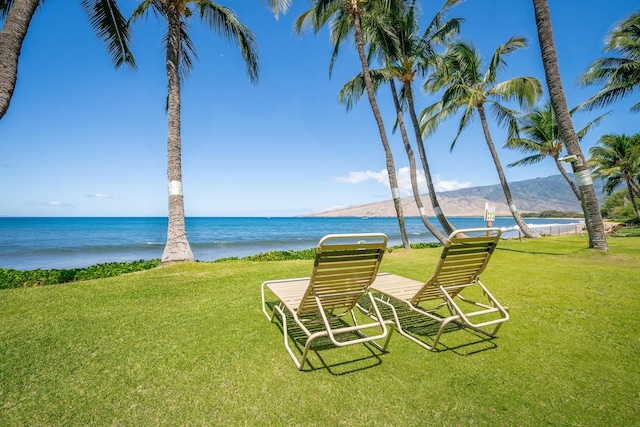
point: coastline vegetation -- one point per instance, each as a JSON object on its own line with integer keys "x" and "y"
{"x": 553, "y": 214}
{"x": 10, "y": 278}
{"x": 187, "y": 344}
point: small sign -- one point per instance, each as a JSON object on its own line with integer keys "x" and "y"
{"x": 489, "y": 213}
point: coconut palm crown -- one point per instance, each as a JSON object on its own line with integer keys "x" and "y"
{"x": 466, "y": 86}
{"x": 616, "y": 159}
{"x": 542, "y": 139}
{"x": 620, "y": 74}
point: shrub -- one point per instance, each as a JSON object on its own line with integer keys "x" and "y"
{"x": 10, "y": 278}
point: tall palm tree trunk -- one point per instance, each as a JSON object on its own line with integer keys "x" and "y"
{"x": 503, "y": 181}
{"x": 177, "y": 247}
{"x": 391, "y": 169}
{"x": 634, "y": 188}
{"x": 567, "y": 178}
{"x": 632, "y": 198}
{"x": 446, "y": 225}
{"x": 412, "y": 166}
{"x": 12, "y": 35}
{"x": 592, "y": 216}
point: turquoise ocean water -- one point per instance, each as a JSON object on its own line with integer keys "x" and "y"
{"x": 31, "y": 243}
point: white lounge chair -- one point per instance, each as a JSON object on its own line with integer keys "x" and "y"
{"x": 344, "y": 268}
{"x": 440, "y": 297}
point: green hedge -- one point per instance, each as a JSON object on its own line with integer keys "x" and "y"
{"x": 16, "y": 278}
{"x": 19, "y": 279}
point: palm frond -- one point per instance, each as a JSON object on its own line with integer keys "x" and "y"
{"x": 526, "y": 90}
{"x": 523, "y": 144}
{"x": 278, "y": 6}
{"x": 527, "y": 161}
{"x": 352, "y": 91}
{"x": 497, "y": 62}
{"x": 505, "y": 116}
{"x": 5, "y": 5}
{"x": 431, "y": 116}
{"x": 142, "y": 10}
{"x": 318, "y": 15}
{"x": 112, "y": 28}
{"x": 225, "y": 22}
{"x": 592, "y": 124}
{"x": 341, "y": 30}
{"x": 465, "y": 121}
{"x": 188, "y": 53}
{"x": 303, "y": 21}
{"x": 620, "y": 74}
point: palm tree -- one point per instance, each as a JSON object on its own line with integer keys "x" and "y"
{"x": 413, "y": 173}
{"x": 589, "y": 201}
{"x": 180, "y": 55}
{"x": 469, "y": 88}
{"x": 104, "y": 15}
{"x": 414, "y": 56}
{"x": 403, "y": 60}
{"x": 347, "y": 17}
{"x": 351, "y": 93}
{"x": 617, "y": 161}
{"x": 543, "y": 139}
{"x": 620, "y": 74}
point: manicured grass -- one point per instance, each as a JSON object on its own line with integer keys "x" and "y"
{"x": 189, "y": 345}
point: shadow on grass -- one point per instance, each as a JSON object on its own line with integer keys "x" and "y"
{"x": 559, "y": 253}
{"x": 336, "y": 360}
{"x": 455, "y": 337}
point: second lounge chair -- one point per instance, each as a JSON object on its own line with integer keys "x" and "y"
{"x": 465, "y": 255}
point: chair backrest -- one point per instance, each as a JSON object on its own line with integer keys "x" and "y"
{"x": 344, "y": 268}
{"x": 613, "y": 229}
{"x": 465, "y": 255}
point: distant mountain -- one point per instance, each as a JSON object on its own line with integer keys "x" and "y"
{"x": 532, "y": 195}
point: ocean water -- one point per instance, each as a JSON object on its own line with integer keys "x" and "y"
{"x": 47, "y": 243}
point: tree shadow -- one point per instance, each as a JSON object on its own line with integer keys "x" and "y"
{"x": 540, "y": 252}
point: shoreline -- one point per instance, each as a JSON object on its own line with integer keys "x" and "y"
{"x": 56, "y": 243}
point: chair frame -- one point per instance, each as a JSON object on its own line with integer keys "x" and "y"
{"x": 457, "y": 269}
{"x": 341, "y": 276}
{"x": 614, "y": 230}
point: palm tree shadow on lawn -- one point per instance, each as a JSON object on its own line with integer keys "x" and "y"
{"x": 559, "y": 253}
{"x": 336, "y": 360}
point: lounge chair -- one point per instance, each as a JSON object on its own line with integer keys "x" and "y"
{"x": 344, "y": 268}
{"x": 439, "y": 298}
{"x": 613, "y": 230}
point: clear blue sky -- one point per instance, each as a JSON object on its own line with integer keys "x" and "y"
{"x": 84, "y": 139}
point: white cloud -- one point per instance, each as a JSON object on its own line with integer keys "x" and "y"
{"x": 52, "y": 204}
{"x": 358, "y": 177}
{"x": 454, "y": 184}
{"x": 404, "y": 180}
{"x": 100, "y": 196}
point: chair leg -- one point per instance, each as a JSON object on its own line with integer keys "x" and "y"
{"x": 299, "y": 364}
{"x": 264, "y": 306}
{"x": 378, "y": 318}
{"x": 495, "y": 307}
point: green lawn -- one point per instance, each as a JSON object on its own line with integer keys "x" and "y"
{"x": 189, "y": 345}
